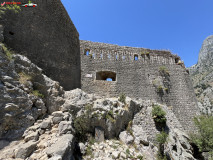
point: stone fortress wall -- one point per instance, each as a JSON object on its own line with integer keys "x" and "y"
{"x": 48, "y": 37}
{"x": 137, "y": 72}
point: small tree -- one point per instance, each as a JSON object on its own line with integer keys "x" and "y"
{"x": 204, "y": 138}
{"x": 161, "y": 139}
{"x": 158, "y": 115}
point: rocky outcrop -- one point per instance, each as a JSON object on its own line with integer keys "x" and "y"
{"x": 55, "y": 136}
{"x": 178, "y": 146}
{"x": 25, "y": 95}
{"x": 206, "y": 53}
{"x": 202, "y": 75}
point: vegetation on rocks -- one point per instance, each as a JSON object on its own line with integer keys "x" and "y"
{"x": 129, "y": 128}
{"x": 122, "y": 98}
{"x": 161, "y": 139}
{"x": 23, "y": 78}
{"x": 204, "y": 138}
{"x": 37, "y": 93}
{"x": 158, "y": 114}
{"x": 164, "y": 70}
{"x": 80, "y": 123}
{"x": 9, "y": 53}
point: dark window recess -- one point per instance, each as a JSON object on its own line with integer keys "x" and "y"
{"x": 106, "y": 75}
{"x": 11, "y": 33}
{"x": 135, "y": 57}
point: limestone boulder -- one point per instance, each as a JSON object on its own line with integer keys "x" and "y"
{"x": 63, "y": 147}
{"x": 25, "y": 149}
{"x": 126, "y": 137}
{"x": 178, "y": 146}
{"x": 65, "y": 127}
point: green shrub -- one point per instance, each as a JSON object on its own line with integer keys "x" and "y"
{"x": 166, "y": 90}
{"x": 37, "y": 94}
{"x": 164, "y": 70}
{"x": 129, "y": 128}
{"x": 122, "y": 98}
{"x": 160, "y": 89}
{"x": 161, "y": 137}
{"x": 204, "y": 86}
{"x": 80, "y": 125}
{"x": 88, "y": 108}
{"x": 158, "y": 114}
{"x": 9, "y": 53}
{"x": 91, "y": 140}
{"x": 89, "y": 151}
{"x": 140, "y": 157}
{"x": 204, "y": 138}
{"x": 110, "y": 116}
{"x": 127, "y": 151}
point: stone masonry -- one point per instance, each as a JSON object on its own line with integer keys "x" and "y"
{"x": 136, "y": 72}
{"x": 48, "y": 37}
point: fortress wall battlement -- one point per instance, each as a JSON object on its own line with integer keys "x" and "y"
{"x": 141, "y": 78}
{"x": 101, "y": 51}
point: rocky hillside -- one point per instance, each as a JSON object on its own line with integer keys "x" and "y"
{"x": 39, "y": 120}
{"x": 202, "y": 77}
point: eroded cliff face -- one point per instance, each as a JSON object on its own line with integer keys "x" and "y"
{"x": 202, "y": 77}
{"x": 48, "y": 37}
{"x": 206, "y": 53}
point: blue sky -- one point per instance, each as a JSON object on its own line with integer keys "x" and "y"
{"x": 177, "y": 25}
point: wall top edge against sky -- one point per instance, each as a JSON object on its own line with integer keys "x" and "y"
{"x": 179, "y": 26}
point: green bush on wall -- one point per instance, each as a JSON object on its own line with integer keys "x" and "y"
{"x": 158, "y": 114}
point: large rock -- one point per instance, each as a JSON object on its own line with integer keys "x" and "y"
{"x": 63, "y": 147}
{"x": 126, "y": 137}
{"x": 75, "y": 100}
{"x": 24, "y": 150}
{"x": 65, "y": 127}
{"x": 178, "y": 146}
{"x": 206, "y": 53}
{"x": 202, "y": 77}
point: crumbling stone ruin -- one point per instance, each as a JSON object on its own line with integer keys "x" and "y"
{"x": 43, "y": 119}
{"x": 139, "y": 73}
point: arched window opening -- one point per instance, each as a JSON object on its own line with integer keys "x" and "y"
{"x": 135, "y": 57}
{"x": 86, "y": 52}
{"x": 106, "y": 76}
{"x": 123, "y": 57}
{"x": 109, "y": 79}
